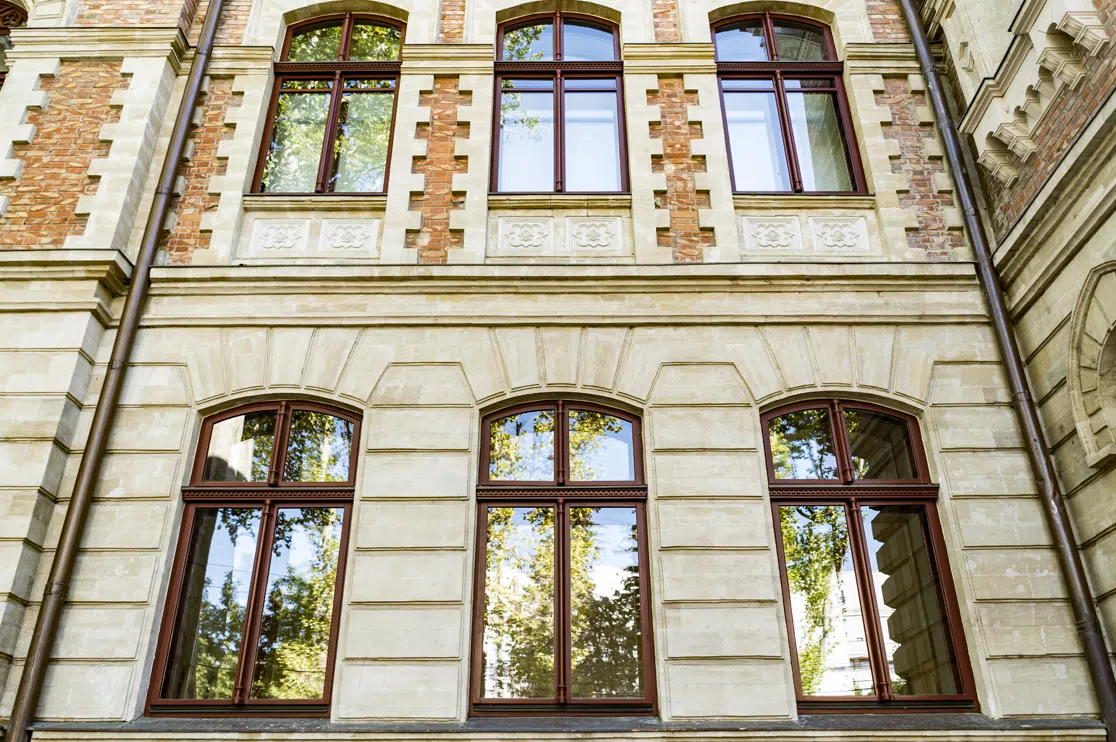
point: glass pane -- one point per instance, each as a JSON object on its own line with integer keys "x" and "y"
{"x": 531, "y": 43}
{"x": 526, "y": 142}
{"x": 880, "y": 446}
{"x": 240, "y": 448}
{"x": 522, "y": 447}
{"x": 353, "y": 83}
{"x": 582, "y": 42}
{"x": 818, "y": 142}
{"x": 306, "y": 84}
{"x": 296, "y": 143}
{"x": 206, "y": 646}
{"x": 742, "y": 42}
{"x": 318, "y": 448}
{"x": 919, "y": 652}
{"x": 796, "y": 42}
{"x": 759, "y": 158}
{"x": 606, "y": 647}
{"x": 825, "y": 604}
{"x": 592, "y": 142}
{"x": 528, "y": 83}
{"x": 518, "y": 659}
{"x": 298, "y": 605}
{"x": 318, "y": 44}
{"x": 374, "y": 43}
{"x": 360, "y": 150}
{"x": 802, "y": 446}
{"x": 601, "y": 448}
{"x": 735, "y": 84}
{"x": 579, "y": 83}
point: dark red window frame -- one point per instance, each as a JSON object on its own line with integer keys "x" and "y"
{"x": 776, "y": 71}
{"x": 851, "y": 494}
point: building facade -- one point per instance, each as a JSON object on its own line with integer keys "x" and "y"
{"x": 556, "y": 369}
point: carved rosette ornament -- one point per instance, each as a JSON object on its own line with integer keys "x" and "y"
{"x": 349, "y": 236}
{"x": 525, "y": 235}
{"x": 593, "y": 235}
{"x": 772, "y": 235}
{"x": 835, "y": 235}
{"x": 280, "y": 236}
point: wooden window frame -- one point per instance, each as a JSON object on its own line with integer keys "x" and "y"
{"x": 559, "y": 71}
{"x": 267, "y": 497}
{"x": 562, "y": 495}
{"x": 852, "y": 494}
{"x": 776, "y": 72}
{"x": 336, "y": 71}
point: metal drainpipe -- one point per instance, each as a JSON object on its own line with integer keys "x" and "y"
{"x": 61, "y": 570}
{"x": 1081, "y": 597}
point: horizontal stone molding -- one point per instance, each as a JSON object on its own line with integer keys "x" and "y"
{"x": 238, "y": 60}
{"x": 448, "y": 59}
{"x": 511, "y": 201}
{"x": 97, "y": 43}
{"x": 110, "y": 267}
{"x": 670, "y": 59}
{"x": 312, "y": 203}
{"x": 884, "y": 59}
{"x": 803, "y": 203}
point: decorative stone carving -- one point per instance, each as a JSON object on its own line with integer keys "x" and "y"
{"x": 526, "y": 235}
{"x": 279, "y": 235}
{"x": 595, "y": 234}
{"x": 772, "y": 233}
{"x": 839, "y": 233}
{"x": 353, "y": 237}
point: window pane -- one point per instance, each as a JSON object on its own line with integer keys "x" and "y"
{"x": 360, "y": 150}
{"x": 825, "y": 605}
{"x": 298, "y": 605}
{"x": 528, "y": 83}
{"x": 318, "y": 448}
{"x": 531, "y": 43}
{"x": 374, "y": 43}
{"x": 318, "y": 44}
{"x": 240, "y": 448}
{"x": 802, "y": 445}
{"x": 522, "y": 447}
{"x": 526, "y": 142}
{"x": 580, "y": 83}
{"x": 519, "y": 604}
{"x": 796, "y": 42}
{"x": 606, "y": 626}
{"x": 742, "y": 42}
{"x": 601, "y": 448}
{"x": 818, "y": 142}
{"x": 592, "y": 142}
{"x": 306, "y": 84}
{"x": 919, "y": 652}
{"x": 880, "y": 446}
{"x": 759, "y": 158}
{"x": 206, "y": 646}
{"x": 296, "y": 143}
{"x": 582, "y": 42}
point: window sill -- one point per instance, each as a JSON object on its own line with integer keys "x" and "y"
{"x": 286, "y": 202}
{"x": 502, "y": 201}
{"x": 803, "y": 201}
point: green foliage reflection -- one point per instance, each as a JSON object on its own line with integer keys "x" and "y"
{"x": 801, "y": 445}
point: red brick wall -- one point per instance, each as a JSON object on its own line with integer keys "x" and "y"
{"x": 136, "y": 13}
{"x": 664, "y": 16}
{"x": 886, "y": 20}
{"x": 452, "y": 27}
{"x": 56, "y": 161}
{"x": 231, "y": 27}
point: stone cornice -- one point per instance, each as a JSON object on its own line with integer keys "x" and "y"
{"x": 511, "y": 201}
{"x": 886, "y": 59}
{"x": 649, "y": 59}
{"x": 312, "y": 203}
{"x": 237, "y": 60}
{"x": 98, "y": 43}
{"x": 110, "y": 267}
{"x": 995, "y": 87}
{"x": 448, "y": 59}
{"x": 803, "y": 203}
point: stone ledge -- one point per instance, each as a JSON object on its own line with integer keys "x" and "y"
{"x": 448, "y": 59}
{"x": 110, "y": 267}
{"x": 312, "y": 202}
{"x": 97, "y": 43}
{"x": 671, "y": 59}
{"x": 801, "y": 203}
{"x": 512, "y": 201}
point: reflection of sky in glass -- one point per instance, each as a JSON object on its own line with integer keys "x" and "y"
{"x": 318, "y": 448}
{"x": 601, "y": 448}
{"x": 226, "y": 555}
{"x": 522, "y": 448}
{"x": 801, "y": 446}
{"x": 615, "y": 539}
{"x": 592, "y": 142}
{"x": 526, "y": 142}
{"x": 759, "y": 159}
{"x": 584, "y": 43}
{"x": 240, "y": 448}
{"x": 742, "y": 42}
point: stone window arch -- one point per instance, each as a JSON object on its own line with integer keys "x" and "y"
{"x": 1092, "y": 365}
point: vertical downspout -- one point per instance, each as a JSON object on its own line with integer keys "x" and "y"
{"x": 61, "y": 570}
{"x": 1054, "y": 506}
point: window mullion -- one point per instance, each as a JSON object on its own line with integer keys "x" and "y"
{"x": 325, "y": 166}
{"x": 783, "y": 104}
{"x": 866, "y": 589}
{"x": 559, "y": 132}
{"x": 841, "y": 443}
{"x": 279, "y": 444}
{"x": 561, "y": 443}
{"x": 563, "y": 629}
{"x": 253, "y": 613}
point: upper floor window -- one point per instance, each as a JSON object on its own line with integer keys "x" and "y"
{"x": 785, "y": 108}
{"x": 561, "y": 126}
{"x": 329, "y": 128}
{"x": 872, "y": 614}
{"x": 562, "y": 620}
{"x": 251, "y": 618}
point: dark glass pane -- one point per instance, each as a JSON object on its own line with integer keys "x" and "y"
{"x": 797, "y": 42}
{"x": 802, "y": 445}
{"x": 526, "y": 142}
{"x": 295, "y": 150}
{"x": 601, "y": 448}
{"x": 583, "y": 42}
{"x": 361, "y": 148}
{"x": 734, "y": 84}
{"x": 317, "y": 44}
{"x": 298, "y": 604}
{"x": 741, "y": 42}
{"x": 518, "y": 651}
{"x": 522, "y": 447}
{"x": 530, "y": 43}
{"x": 578, "y": 83}
{"x": 759, "y": 158}
{"x": 206, "y": 647}
{"x": 592, "y": 142}
{"x": 374, "y": 43}
{"x": 306, "y": 85}
{"x": 880, "y": 446}
{"x": 240, "y": 448}
{"x": 353, "y": 83}
{"x": 606, "y": 649}
{"x": 920, "y": 655}
{"x": 825, "y": 604}
{"x": 318, "y": 448}
{"x": 821, "y": 83}
{"x": 819, "y": 142}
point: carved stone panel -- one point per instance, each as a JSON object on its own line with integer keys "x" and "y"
{"x": 348, "y": 238}
{"x": 594, "y": 236}
{"x": 279, "y": 238}
{"x": 840, "y": 234}
{"x": 774, "y": 234}
{"x": 525, "y": 236}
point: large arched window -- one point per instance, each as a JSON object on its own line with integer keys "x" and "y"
{"x": 561, "y": 122}
{"x": 871, "y": 610}
{"x": 562, "y": 616}
{"x": 251, "y": 617}
{"x": 786, "y": 114}
{"x": 329, "y": 128}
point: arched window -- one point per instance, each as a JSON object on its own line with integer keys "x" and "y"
{"x": 251, "y": 618}
{"x": 786, "y": 114}
{"x": 329, "y": 128}
{"x": 871, "y": 610}
{"x": 561, "y": 123}
{"x": 562, "y": 618}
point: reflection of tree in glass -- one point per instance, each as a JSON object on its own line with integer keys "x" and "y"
{"x": 360, "y": 150}
{"x": 374, "y": 43}
{"x": 519, "y": 43}
{"x": 260, "y": 427}
{"x": 318, "y": 448}
{"x": 296, "y": 143}
{"x": 801, "y": 447}
{"x": 588, "y": 430}
{"x": 522, "y": 447}
{"x": 319, "y": 44}
{"x": 219, "y": 629}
